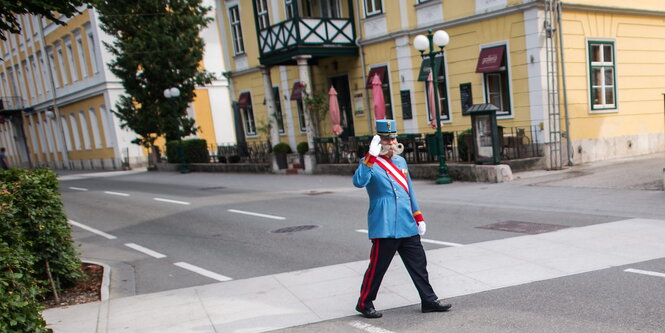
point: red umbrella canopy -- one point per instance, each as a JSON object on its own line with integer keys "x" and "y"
{"x": 333, "y": 104}
{"x": 378, "y": 100}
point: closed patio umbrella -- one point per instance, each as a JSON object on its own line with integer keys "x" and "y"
{"x": 378, "y": 100}
{"x": 430, "y": 99}
{"x": 333, "y": 104}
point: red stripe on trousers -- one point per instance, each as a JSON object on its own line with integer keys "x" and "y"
{"x": 372, "y": 268}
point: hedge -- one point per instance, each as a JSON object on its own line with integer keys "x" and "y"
{"x": 34, "y": 235}
{"x": 193, "y": 150}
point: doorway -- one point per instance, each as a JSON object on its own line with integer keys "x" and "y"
{"x": 341, "y": 84}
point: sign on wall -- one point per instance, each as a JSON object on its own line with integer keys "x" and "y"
{"x": 358, "y": 104}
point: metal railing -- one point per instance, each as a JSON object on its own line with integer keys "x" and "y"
{"x": 306, "y": 32}
{"x": 514, "y": 143}
{"x": 254, "y": 152}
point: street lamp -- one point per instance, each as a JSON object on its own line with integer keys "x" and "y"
{"x": 422, "y": 43}
{"x": 171, "y": 94}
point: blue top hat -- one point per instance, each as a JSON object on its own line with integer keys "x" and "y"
{"x": 386, "y": 127}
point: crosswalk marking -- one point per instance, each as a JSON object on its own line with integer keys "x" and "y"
{"x": 204, "y": 272}
{"x": 639, "y": 271}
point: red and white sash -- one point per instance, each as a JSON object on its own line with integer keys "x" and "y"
{"x": 394, "y": 172}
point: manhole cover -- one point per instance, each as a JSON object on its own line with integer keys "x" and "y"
{"x": 523, "y": 227}
{"x": 295, "y": 229}
{"x": 318, "y": 192}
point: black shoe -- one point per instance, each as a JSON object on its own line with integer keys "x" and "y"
{"x": 435, "y": 307}
{"x": 369, "y": 312}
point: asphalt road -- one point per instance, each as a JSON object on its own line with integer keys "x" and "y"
{"x": 224, "y": 224}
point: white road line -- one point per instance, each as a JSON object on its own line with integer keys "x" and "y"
{"x": 117, "y": 193}
{"x": 257, "y": 214}
{"x": 639, "y": 271}
{"x": 368, "y": 328}
{"x": 423, "y": 240}
{"x": 203, "y": 272}
{"x": 93, "y": 230}
{"x": 173, "y": 201}
{"x": 145, "y": 250}
{"x": 78, "y": 188}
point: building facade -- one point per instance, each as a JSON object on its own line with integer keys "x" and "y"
{"x": 587, "y": 76}
{"x": 57, "y": 95}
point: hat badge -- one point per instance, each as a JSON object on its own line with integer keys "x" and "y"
{"x": 389, "y": 125}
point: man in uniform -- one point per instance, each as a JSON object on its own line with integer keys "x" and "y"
{"x": 394, "y": 221}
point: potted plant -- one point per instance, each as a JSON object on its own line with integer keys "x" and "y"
{"x": 280, "y": 151}
{"x": 302, "y": 149}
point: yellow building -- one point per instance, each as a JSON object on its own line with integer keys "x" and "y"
{"x": 57, "y": 93}
{"x": 581, "y": 80}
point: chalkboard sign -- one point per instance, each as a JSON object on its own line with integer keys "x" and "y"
{"x": 406, "y": 104}
{"x": 465, "y": 97}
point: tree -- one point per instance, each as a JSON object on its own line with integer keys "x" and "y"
{"x": 156, "y": 46}
{"x": 50, "y": 9}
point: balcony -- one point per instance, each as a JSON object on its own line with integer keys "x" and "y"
{"x": 318, "y": 37}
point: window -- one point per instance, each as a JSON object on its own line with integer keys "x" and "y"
{"x": 382, "y": 72}
{"x": 330, "y": 8}
{"x": 37, "y": 75}
{"x": 301, "y": 116}
{"x": 68, "y": 140}
{"x": 236, "y": 31}
{"x": 73, "y": 69}
{"x": 31, "y": 83}
{"x": 61, "y": 63}
{"x": 602, "y": 75}
{"x": 33, "y": 135}
{"x": 262, "y": 14}
{"x": 95, "y": 128}
{"x": 107, "y": 124}
{"x": 91, "y": 48}
{"x": 278, "y": 110}
{"x": 75, "y": 131}
{"x": 290, "y": 8}
{"x": 21, "y": 81}
{"x": 84, "y": 130}
{"x": 44, "y": 73}
{"x": 492, "y": 62}
{"x": 81, "y": 56}
{"x": 51, "y": 62}
{"x": 441, "y": 85}
{"x": 245, "y": 105}
{"x": 373, "y": 7}
{"x": 40, "y": 133}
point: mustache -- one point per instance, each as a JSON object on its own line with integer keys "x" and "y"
{"x": 397, "y": 148}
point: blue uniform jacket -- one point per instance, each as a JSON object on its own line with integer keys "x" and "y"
{"x": 392, "y": 211}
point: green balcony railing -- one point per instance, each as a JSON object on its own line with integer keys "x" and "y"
{"x": 306, "y": 33}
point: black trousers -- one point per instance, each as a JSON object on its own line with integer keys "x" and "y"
{"x": 383, "y": 250}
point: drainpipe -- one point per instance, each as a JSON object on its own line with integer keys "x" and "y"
{"x": 565, "y": 94}
{"x": 362, "y": 63}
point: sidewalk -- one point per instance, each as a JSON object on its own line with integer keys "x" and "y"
{"x": 640, "y": 173}
{"x": 296, "y": 298}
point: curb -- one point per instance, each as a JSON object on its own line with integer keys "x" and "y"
{"x": 106, "y": 278}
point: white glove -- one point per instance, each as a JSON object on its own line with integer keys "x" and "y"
{"x": 422, "y": 227}
{"x": 375, "y": 146}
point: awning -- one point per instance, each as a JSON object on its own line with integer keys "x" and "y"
{"x": 490, "y": 59}
{"x": 244, "y": 100}
{"x": 425, "y": 68}
{"x": 296, "y": 91}
{"x": 380, "y": 71}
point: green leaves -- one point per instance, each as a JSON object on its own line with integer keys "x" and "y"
{"x": 157, "y": 46}
{"x": 33, "y": 230}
